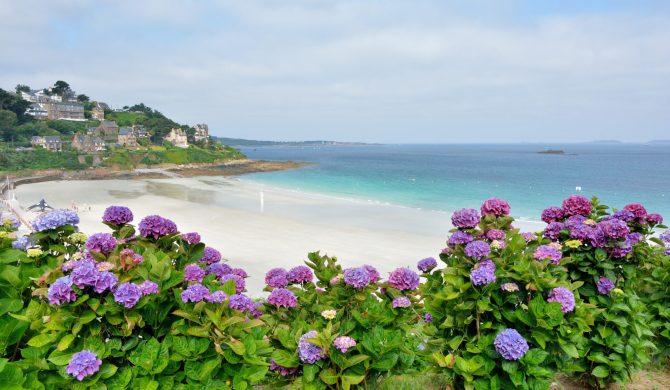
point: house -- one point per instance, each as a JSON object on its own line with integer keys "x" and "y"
{"x": 37, "y": 111}
{"x": 108, "y": 131}
{"x": 98, "y": 112}
{"x": 30, "y": 96}
{"x": 201, "y": 133}
{"x": 140, "y": 132}
{"x": 88, "y": 143}
{"x": 50, "y": 142}
{"x": 127, "y": 137}
{"x": 177, "y": 137}
{"x": 68, "y": 111}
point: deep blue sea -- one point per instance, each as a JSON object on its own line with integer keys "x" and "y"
{"x": 448, "y": 177}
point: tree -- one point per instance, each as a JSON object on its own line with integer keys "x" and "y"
{"x": 7, "y": 124}
{"x": 22, "y": 88}
{"x": 82, "y": 98}
{"x": 15, "y": 104}
{"x": 60, "y": 88}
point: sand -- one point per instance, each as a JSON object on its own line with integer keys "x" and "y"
{"x": 277, "y": 232}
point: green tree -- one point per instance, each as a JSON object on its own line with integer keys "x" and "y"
{"x": 22, "y": 88}
{"x": 14, "y": 103}
{"x": 7, "y": 124}
{"x": 82, "y": 98}
{"x": 60, "y": 88}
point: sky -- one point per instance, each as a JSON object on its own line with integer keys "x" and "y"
{"x": 371, "y": 71}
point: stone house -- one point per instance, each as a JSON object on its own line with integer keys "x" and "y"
{"x": 88, "y": 143}
{"x": 68, "y": 111}
{"x": 201, "y": 133}
{"x": 177, "y": 137}
{"x": 127, "y": 137}
{"x": 108, "y": 131}
{"x": 50, "y": 142}
{"x": 97, "y": 112}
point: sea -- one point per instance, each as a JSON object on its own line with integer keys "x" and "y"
{"x": 450, "y": 177}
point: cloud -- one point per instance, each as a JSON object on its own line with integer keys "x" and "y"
{"x": 358, "y": 70}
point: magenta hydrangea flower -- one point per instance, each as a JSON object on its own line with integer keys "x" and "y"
{"x": 356, "y": 277}
{"x": 477, "y": 249}
{"x": 148, "y": 287}
{"x": 281, "y": 370}
{"x": 156, "y": 227}
{"x": 545, "y": 252}
{"x": 577, "y": 205}
{"x": 282, "y": 297}
{"x": 219, "y": 269}
{"x": 655, "y": 218}
{"x": 82, "y": 364}
{"x": 510, "y": 344}
{"x": 404, "y": 279}
{"x": 459, "y": 238}
{"x": 638, "y": 210}
{"x": 117, "y": 215}
{"x": 401, "y": 302}
{"x": 495, "y": 206}
{"x": 105, "y": 281}
{"x": 210, "y": 256}
{"x": 564, "y": 296}
{"x": 191, "y": 238}
{"x": 55, "y": 219}
{"x": 529, "y": 236}
{"x": 604, "y": 285}
{"x": 614, "y": 228}
{"x": 101, "y": 242}
{"x": 216, "y": 297}
{"x": 277, "y": 278}
{"x": 194, "y": 293}
{"x": 426, "y": 264}
{"x": 193, "y": 273}
{"x": 300, "y": 274}
{"x": 483, "y": 273}
{"x": 307, "y": 352}
{"x": 240, "y": 302}
{"x": 84, "y": 274}
{"x": 240, "y": 284}
{"x": 61, "y": 291}
{"x": 344, "y": 343}
{"x": 373, "y": 274}
{"x": 465, "y": 218}
{"x": 127, "y": 295}
{"x": 552, "y": 214}
{"x": 495, "y": 234}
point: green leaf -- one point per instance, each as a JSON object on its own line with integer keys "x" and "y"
{"x": 309, "y": 372}
{"x": 328, "y": 376}
{"x": 534, "y": 356}
{"x": 351, "y": 379}
{"x": 601, "y": 372}
{"x": 43, "y": 339}
{"x": 571, "y": 350}
{"x": 65, "y": 342}
{"x": 386, "y": 362}
{"x": 60, "y": 358}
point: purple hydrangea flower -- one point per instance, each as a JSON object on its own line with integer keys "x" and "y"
{"x": 240, "y": 302}
{"x": 545, "y": 252}
{"x": 191, "y": 238}
{"x": 105, "y": 281}
{"x": 529, "y": 236}
{"x": 193, "y": 273}
{"x": 308, "y": 352}
{"x": 239, "y": 272}
{"x": 82, "y": 364}
{"x": 117, "y": 215}
{"x": 510, "y": 344}
{"x": 483, "y": 273}
{"x": 477, "y": 249}
{"x": 665, "y": 236}
{"x": 495, "y": 234}
{"x": 577, "y": 205}
{"x": 282, "y": 297}
{"x": 55, "y": 219}
{"x": 211, "y": 256}
{"x": 128, "y": 294}
{"x": 300, "y": 274}
{"x": 255, "y": 309}
{"x": 404, "y": 279}
{"x": 401, "y": 302}
{"x": 373, "y": 274}
{"x": 426, "y": 264}
{"x": 22, "y": 243}
{"x": 597, "y": 238}
{"x": 356, "y": 277}
{"x": 194, "y": 293}
{"x": 459, "y": 238}
{"x": 581, "y": 232}
{"x": 344, "y": 343}
{"x": 101, "y": 242}
{"x": 428, "y": 317}
{"x": 623, "y": 215}
{"x": 84, "y": 274}
{"x": 564, "y": 296}
{"x": 465, "y": 218}
{"x": 655, "y": 218}
{"x": 276, "y": 277}
{"x": 635, "y": 237}
{"x": 61, "y": 291}
{"x": 148, "y": 287}
{"x": 574, "y": 221}
{"x": 219, "y": 269}
{"x": 622, "y": 249}
{"x": 614, "y": 228}
{"x": 240, "y": 284}
{"x": 638, "y": 210}
{"x": 553, "y": 230}
{"x": 604, "y": 285}
{"x": 156, "y": 226}
{"x": 281, "y": 370}
{"x": 495, "y": 206}
{"x": 217, "y": 296}
{"x": 552, "y": 214}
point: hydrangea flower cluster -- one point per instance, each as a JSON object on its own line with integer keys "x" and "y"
{"x": 577, "y": 205}
{"x": 529, "y": 236}
{"x": 155, "y": 226}
{"x": 240, "y": 284}
{"x": 55, "y": 219}
{"x": 329, "y": 314}
{"x": 510, "y": 344}
{"x": 82, "y": 364}
{"x": 281, "y": 370}
{"x": 191, "y": 238}
{"x": 194, "y": 293}
{"x": 21, "y": 243}
{"x": 459, "y": 238}
{"x": 193, "y": 273}
{"x": 465, "y": 218}
{"x": 357, "y": 278}
{"x": 210, "y": 256}
{"x": 373, "y": 274}
{"x": 404, "y": 279}
{"x": 344, "y": 343}
{"x": 495, "y": 234}
{"x": 217, "y": 296}
{"x": 308, "y": 352}
{"x": 240, "y": 302}
{"x": 495, "y": 206}
{"x": 552, "y": 214}
{"x": 477, "y": 249}
{"x": 101, "y": 242}
{"x": 604, "y": 285}
{"x": 117, "y": 215}
{"x": 9, "y": 221}
{"x": 300, "y": 274}
{"x": 401, "y": 302}
{"x": 61, "y": 291}
{"x": 546, "y": 252}
{"x": 564, "y": 297}
{"x": 277, "y": 278}
{"x": 127, "y": 295}
{"x": 426, "y": 264}
{"x": 483, "y": 273}
{"x": 282, "y": 297}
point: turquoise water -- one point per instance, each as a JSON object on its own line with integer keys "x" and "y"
{"x": 448, "y": 177}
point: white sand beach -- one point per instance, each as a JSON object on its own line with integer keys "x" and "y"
{"x": 228, "y": 215}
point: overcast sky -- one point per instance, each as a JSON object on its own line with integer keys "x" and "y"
{"x": 378, "y": 71}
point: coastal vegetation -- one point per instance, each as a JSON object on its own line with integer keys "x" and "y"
{"x": 147, "y": 306}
